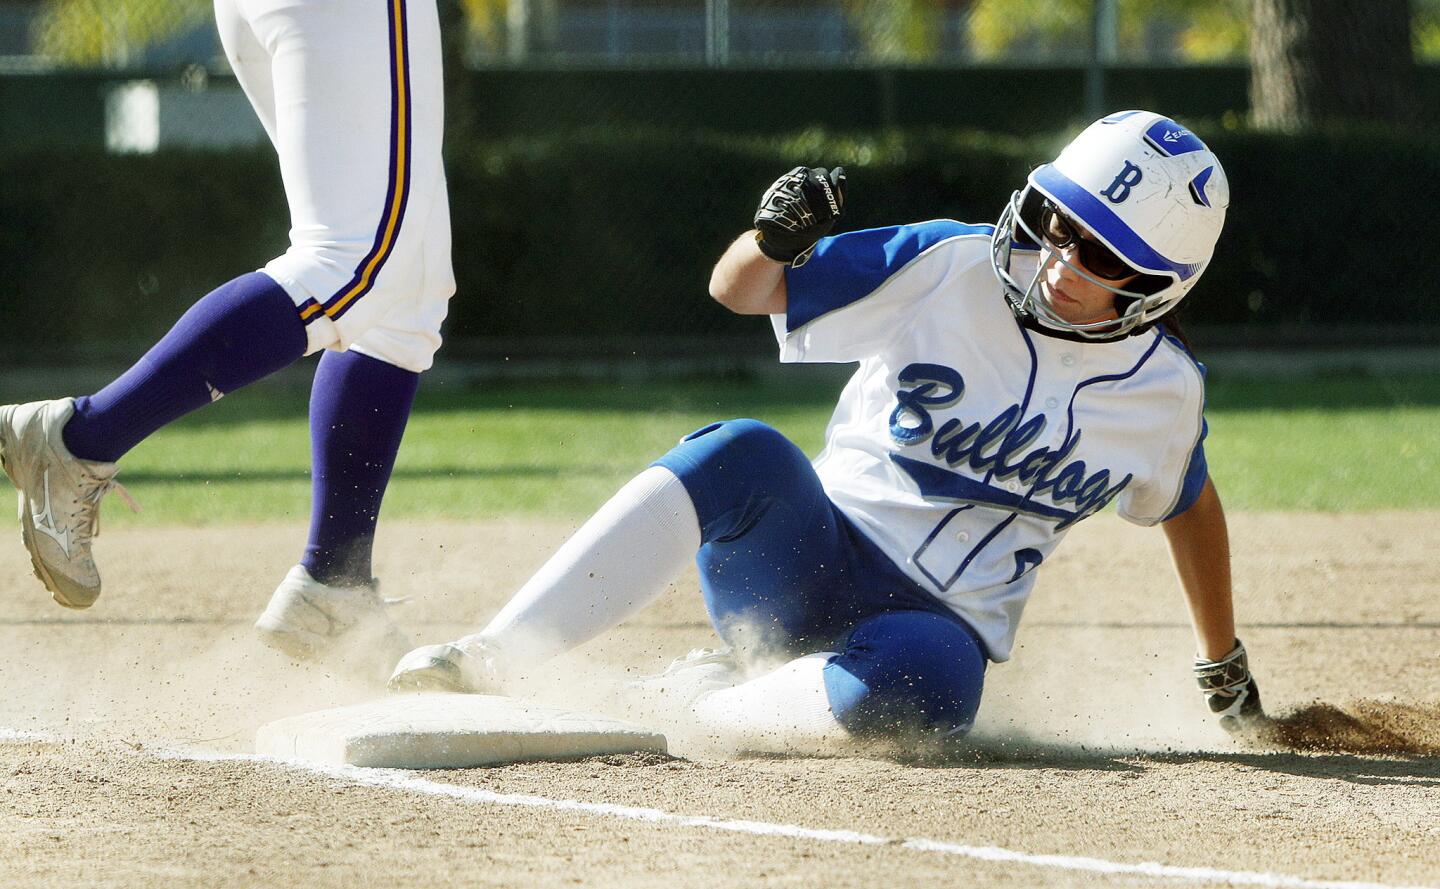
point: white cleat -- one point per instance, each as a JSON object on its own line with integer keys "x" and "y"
{"x": 700, "y": 672}
{"x": 59, "y": 498}
{"x": 307, "y": 619}
{"x": 466, "y": 666}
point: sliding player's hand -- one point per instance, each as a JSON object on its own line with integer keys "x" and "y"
{"x": 798, "y": 210}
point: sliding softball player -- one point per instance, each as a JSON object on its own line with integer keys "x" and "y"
{"x": 1013, "y": 380}
{"x": 350, "y": 95}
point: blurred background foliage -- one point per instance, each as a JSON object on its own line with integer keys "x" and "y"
{"x": 1426, "y": 29}
{"x": 1184, "y": 30}
{"x": 575, "y": 129}
{"x": 112, "y": 33}
{"x": 117, "y": 34}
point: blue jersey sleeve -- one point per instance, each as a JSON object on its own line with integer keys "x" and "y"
{"x": 846, "y": 268}
{"x": 1196, "y": 472}
{"x": 1195, "y": 475}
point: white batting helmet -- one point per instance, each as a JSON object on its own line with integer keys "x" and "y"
{"x": 1146, "y": 188}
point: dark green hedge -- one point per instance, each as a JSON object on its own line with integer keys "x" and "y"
{"x": 769, "y": 101}
{"x": 103, "y": 252}
{"x": 616, "y": 235}
{"x": 613, "y": 234}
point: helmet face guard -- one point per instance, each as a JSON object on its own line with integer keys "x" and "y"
{"x": 1143, "y": 187}
{"x": 1137, "y": 309}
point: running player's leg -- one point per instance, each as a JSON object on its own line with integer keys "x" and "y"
{"x": 249, "y": 61}
{"x": 240, "y": 332}
{"x": 369, "y": 269}
{"x": 377, "y": 287}
{"x": 359, "y": 107}
{"x": 359, "y": 406}
{"x": 358, "y": 410}
{"x": 61, "y": 454}
{"x": 359, "y": 147}
{"x": 353, "y": 258}
{"x": 331, "y": 602}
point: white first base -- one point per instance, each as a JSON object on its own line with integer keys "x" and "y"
{"x": 449, "y": 731}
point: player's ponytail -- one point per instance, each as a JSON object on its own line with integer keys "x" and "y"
{"x": 1172, "y": 326}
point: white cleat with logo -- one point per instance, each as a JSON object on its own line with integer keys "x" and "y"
{"x": 59, "y": 498}
{"x": 309, "y": 620}
{"x": 465, "y": 666}
{"x": 672, "y": 692}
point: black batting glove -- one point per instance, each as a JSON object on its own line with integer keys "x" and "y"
{"x": 1230, "y": 690}
{"x": 798, "y": 210}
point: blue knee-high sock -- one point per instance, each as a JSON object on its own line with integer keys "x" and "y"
{"x": 236, "y": 334}
{"x": 358, "y": 410}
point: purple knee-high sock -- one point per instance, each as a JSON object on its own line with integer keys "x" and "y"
{"x": 358, "y": 409}
{"x": 236, "y": 334}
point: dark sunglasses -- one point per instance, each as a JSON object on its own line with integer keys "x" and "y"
{"x": 1098, "y": 260}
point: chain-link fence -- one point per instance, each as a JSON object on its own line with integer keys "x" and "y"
{"x": 594, "y": 115}
{"x": 111, "y": 35}
{"x": 130, "y": 34}
{"x": 844, "y": 32}
{"x": 151, "y": 34}
{"x": 1072, "y": 51}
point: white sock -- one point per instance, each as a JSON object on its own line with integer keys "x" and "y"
{"x": 619, "y": 561}
{"x": 784, "y": 711}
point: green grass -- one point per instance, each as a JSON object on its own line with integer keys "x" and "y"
{"x": 1340, "y": 444}
{"x": 1343, "y": 444}
{"x": 553, "y": 449}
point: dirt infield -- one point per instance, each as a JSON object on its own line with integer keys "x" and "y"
{"x": 124, "y": 734}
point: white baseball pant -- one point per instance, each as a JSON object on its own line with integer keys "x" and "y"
{"x": 351, "y": 95}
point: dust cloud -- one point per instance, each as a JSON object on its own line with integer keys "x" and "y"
{"x": 1363, "y": 727}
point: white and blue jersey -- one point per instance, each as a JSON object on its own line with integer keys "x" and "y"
{"x": 966, "y": 445}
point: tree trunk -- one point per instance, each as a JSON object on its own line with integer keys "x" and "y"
{"x": 1323, "y": 61}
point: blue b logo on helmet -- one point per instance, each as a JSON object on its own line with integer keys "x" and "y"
{"x": 1119, "y": 188}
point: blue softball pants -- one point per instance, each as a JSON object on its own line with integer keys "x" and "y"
{"x": 785, "y": 572}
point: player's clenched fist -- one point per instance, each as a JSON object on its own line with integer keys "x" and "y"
{"x": 1230, "y": 690}
{"x": 798, "y": 210}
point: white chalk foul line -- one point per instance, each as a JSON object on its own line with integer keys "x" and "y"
{"x": 16, "y": 735}
{"x": 398, "y": 780}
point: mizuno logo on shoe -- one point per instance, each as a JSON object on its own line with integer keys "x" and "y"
{"x": 45, "y": 522}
